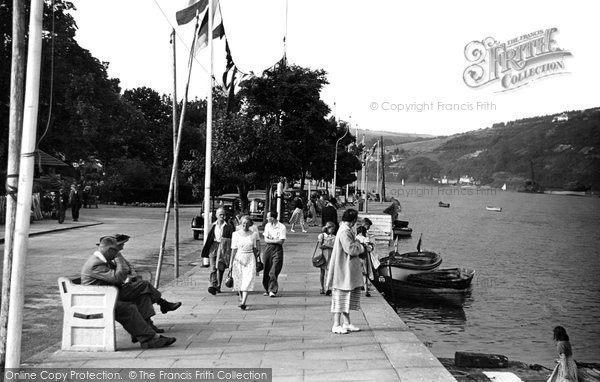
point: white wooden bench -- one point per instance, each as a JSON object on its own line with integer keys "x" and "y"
{"x": 89, "y": 316}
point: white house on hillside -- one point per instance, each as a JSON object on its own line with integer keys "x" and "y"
{"x": 561, "y": 118}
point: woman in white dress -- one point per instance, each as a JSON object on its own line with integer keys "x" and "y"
{"x": 245, "y": 247}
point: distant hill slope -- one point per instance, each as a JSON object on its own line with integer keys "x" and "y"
{"x": 563, "y": 153}
{"x": 390, "y": 138}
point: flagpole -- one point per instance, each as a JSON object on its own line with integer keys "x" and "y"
{"x": 17, "y": 87}
{"x": 208, "y": 155}
{"x": 377, "y": 170}
{"x": 175, "y": 160}
{"x": 286, "y": 30}
{"x": 17, "y": 285}
{"x": 382, "y": 171}
{"x": 175, "y": 164}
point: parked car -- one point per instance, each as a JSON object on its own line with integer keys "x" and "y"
{"x": 257, "y": 201}
{"x": 230, "y": 202}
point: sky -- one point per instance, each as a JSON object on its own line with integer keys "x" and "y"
{"x": 392, "y": 65}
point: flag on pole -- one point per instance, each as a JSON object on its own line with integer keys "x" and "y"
{"x": 218, "y": 30}
{"x": 187, "y": 14}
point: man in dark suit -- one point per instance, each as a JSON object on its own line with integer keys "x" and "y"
{"x": 329, "y": 214}
{"x": 134, "y": 288}
{"x": 106, "y": 266}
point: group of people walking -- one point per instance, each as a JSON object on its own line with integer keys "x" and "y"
{"x": 237, "y": 247}
{"x": 341, "y": 275}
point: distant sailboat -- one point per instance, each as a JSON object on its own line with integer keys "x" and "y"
{"x": 504, "y": 187}
{"x": 403, "y": 182}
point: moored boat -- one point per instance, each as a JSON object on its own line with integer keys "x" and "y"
{"x": 493, "y": 208}
{"x": 453, "y": 278}
{"x": 400, "y": 266}
{"x": 444, "y": 205}
{"x": 450, "y": 287}
{"x": 400, "y": 229}
{"x": 403, "y": 232}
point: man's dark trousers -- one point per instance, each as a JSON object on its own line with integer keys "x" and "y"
{"x": 273, "y": 260}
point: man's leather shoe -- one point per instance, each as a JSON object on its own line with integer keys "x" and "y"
{"x": 212, "y": 290}
{"x": 151, "y": 324}
{"x": 167, "y": 306}
{"x": 159, "y": 342}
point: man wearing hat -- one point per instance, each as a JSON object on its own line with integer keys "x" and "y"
{"x": 106, "y": 266}
{"x": 136, "y": 290}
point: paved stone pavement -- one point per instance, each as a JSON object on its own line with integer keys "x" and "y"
{"x": 291, "y": 334}
{"x": 40, "y": 227}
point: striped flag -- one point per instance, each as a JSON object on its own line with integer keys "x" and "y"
{"x": 218, "y": 30}
{"x": 187, "y": 14}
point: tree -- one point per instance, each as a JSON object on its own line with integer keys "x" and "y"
{"x": 348, "y": 161}
{"x": 289, "y": 97}
{"x": 86, "y": 111}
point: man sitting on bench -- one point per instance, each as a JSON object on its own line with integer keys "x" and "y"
{"x": 134, "y": 288}
{"x": 106, "y": 266}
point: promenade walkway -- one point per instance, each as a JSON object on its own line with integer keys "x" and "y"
{"x": 291, "y": 334}
{"x": 40, "y": 227}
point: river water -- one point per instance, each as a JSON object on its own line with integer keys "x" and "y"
{"x": 537, "y": 265}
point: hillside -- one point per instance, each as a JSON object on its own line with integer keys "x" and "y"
{"x": 390, "y": 138}
{"x": 563, "y": 154}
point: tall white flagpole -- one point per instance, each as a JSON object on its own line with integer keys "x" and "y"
{"x": 32, "y": 92}
{"x": 377, "y": 172}
{"x": 175, "y": 159}
{"x": 15, "y": 130}
{"x": 208, "y": 155}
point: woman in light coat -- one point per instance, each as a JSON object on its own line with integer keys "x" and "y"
{"x": 344, "y": 274}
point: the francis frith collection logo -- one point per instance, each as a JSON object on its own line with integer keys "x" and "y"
{"x": 514, "y": 63}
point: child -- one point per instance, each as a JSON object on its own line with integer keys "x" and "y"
{"x": 362, "y": 236}
{"x": 325, "y": 242}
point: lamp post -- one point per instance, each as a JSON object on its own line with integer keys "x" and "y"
{"x": 335, "y": 160}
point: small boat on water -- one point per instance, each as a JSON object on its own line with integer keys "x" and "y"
{"x": 453, "y": 278}
{"x": 444, "y": 205}
{"x": 401, "y": 230}
{"x": 449, "y": 287}
{"x": 400, "y": 266}
{"x": 504, "y": 187}
{"x": 493, "y": 209}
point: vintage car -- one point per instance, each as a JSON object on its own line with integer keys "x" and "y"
{"x": 257, "y": 204}
{"x": 230, "y": 202}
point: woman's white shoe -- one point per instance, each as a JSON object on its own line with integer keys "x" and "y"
{"x": 351, "y": 328}
{"x": 338, "y": 330}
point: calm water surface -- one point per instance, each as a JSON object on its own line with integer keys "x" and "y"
{"x": 537, "y": 266}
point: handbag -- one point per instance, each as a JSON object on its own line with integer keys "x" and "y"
{"x": 259, "y": 264}
{"x": 317, "y": 261}
{"x": 229, "y": 280}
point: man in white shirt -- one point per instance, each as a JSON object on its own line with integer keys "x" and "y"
{"x": 275, "y": 234}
